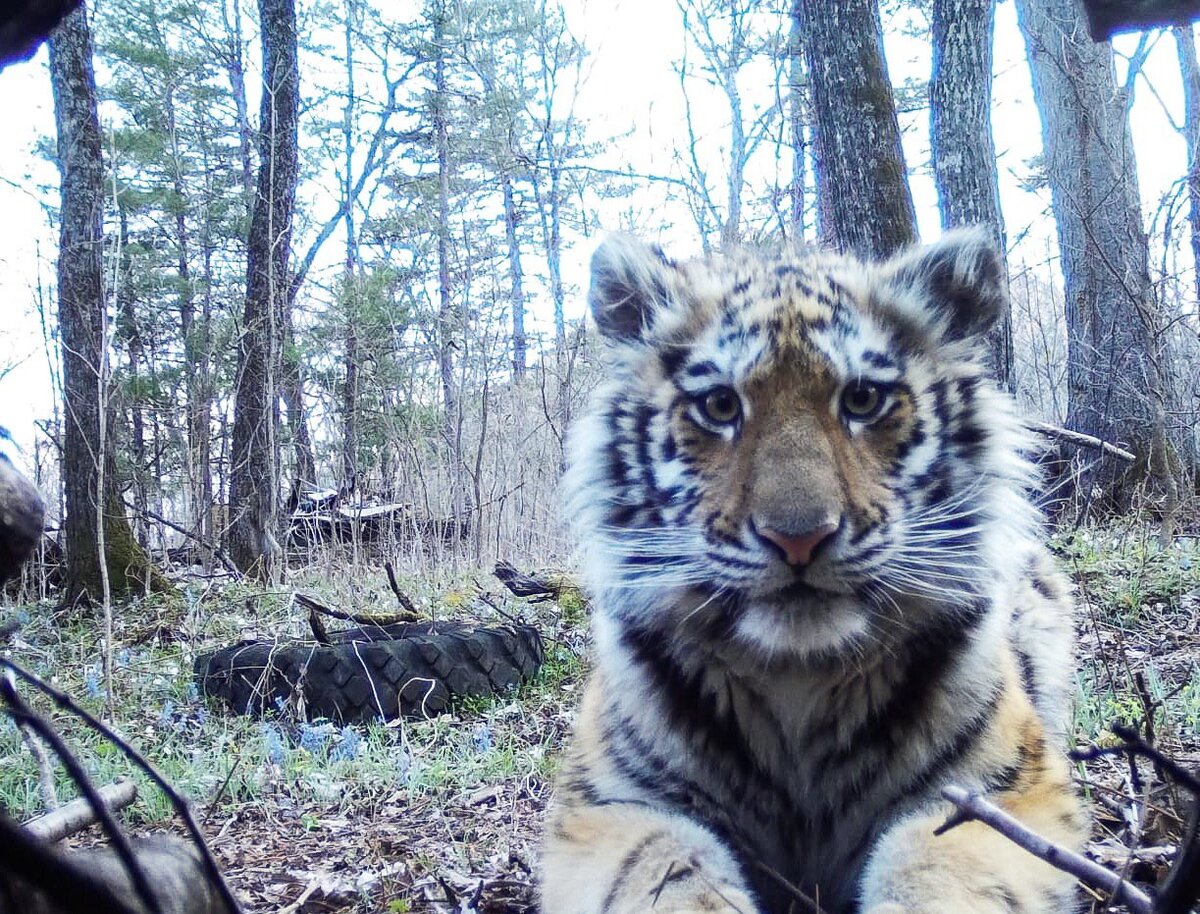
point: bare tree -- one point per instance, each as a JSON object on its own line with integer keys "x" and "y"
{"x": 254, "y": 470}
{"x": 1185, "y": 42}
{"x": 1114, "y": 371}
{"x": 724, "y": 34}
{"x": 797, "y": 114}
{"x": 865, "y": 204}
{"x": 964, "y": 153}
{"x": 89, "y": 467}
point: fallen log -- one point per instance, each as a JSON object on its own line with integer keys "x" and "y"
{"x": 79, "y": 814}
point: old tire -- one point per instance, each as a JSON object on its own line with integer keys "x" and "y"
{"x": 372, "y": 673}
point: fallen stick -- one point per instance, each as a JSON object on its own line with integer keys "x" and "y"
{"x": 1082, "y": 440}
{"x": 314, "y": 605}
{"x": 973, "y": 806}
{"x": 78, "y": 814}
{"x": 402, "y": 598}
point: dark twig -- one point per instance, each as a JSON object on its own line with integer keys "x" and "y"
{"x": 320, "y": 632}
{"x": 402, "y": 598}
{"x": 216, "y": 550}
{"x": 973, "y": 806}
{"x": 813, "y": 906}
{"x": 1181, "y": 887}
{"x": 1133, "y": 743}
{"x": 120, "y": 842}
{"x": 178, "y": 803}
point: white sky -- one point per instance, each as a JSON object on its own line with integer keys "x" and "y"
{"x": 631, "y": 89}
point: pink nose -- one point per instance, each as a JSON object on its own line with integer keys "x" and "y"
{"x": 798, "y": 548}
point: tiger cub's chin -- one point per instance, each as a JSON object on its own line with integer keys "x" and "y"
{"x": 820, "y": 595}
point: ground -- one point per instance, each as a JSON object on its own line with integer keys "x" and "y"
{"x": 443, "y": 815}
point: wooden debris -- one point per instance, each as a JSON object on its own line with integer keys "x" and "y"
{"x": 313, "y": 605}
{"x": 78, "y": 814}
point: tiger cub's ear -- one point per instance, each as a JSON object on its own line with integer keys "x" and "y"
{"x": 630, "y": 284}
{"x": 955, "y": 288}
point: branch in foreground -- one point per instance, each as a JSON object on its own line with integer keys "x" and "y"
{"x": 122, "y": 850}
{"x": 1081, "y": 440}
{"x": 973, "y": 806}
{"x": 180, "y": 805}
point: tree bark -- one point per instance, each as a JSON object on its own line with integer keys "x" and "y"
{"x": 350, "y": 388}
{"x": 865, "y": 202}
{"x": 81, "y": 319}
{"x": 516, "y": 279}
{"x": 1113, "y": 363}
{"x": 254, "y": 471}
{"x": 964, "y": 153}
{"x": 1185, "y": 43}
{"x": 797, "y": 116}
{"x": 447, "y": 322}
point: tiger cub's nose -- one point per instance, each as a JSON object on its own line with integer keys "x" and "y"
{"x": 798, "y": 548}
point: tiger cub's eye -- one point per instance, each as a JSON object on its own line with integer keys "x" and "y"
{"x": 721, "y": 406}
{"x": 862, "y": 400}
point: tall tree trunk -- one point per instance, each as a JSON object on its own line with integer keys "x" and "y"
{"x": 862, "y": 181}
{"x": 446, "y": 318}
{"x": 964, "y": 153}
{"x": 1113, "y": 370}
{"x": 198, "y": 347}
{"x": 516, "y": 279}
{"x": 797, "y": 115}
{"x": 254, "y": 470}
{"x": 127, "y": 326}
{"x": 350, "y": 389}
{"x": 237, "y": 84}
{"x": 81, "y": 319}
{"x": 1185, "y": 42}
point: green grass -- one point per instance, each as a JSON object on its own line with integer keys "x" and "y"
{"x": 1126, "y": 573}
{"x": 1135, "y": 597}
{"x": 210, "y": 754}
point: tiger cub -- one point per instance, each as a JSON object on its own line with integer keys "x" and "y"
{"x": 820, "y": 596}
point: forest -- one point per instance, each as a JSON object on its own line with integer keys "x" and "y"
{"x": 293, "y": 334}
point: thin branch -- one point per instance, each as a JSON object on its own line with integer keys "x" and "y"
{"x": 971, "y": 806}
{"x": 1081, "y": 440}
{"x": 212, "y": 547}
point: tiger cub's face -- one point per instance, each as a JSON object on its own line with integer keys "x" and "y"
{"x": 795, "y": 448}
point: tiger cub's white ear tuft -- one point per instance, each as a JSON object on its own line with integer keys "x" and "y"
{"x": 630, "y": 283}
{"x": 956, "y": 287}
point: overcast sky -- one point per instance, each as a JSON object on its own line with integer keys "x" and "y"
{"x": 632, "y": 93}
